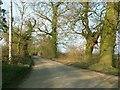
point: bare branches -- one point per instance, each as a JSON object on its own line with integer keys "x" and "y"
{"x": 98, "y": 26}
{"x": 63, "y": 12}
{"x": 58, "y": 4}
{"x": 22, "y": 7}
{"x": 76, "y": 32}
{"x": 44, "y": 32}
{"x": 44, "y": 17}
{"x": 45, "y": 27}
{"x": 34, "y": 23}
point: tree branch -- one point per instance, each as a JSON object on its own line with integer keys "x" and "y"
{"x": 34, "y": 23}
{"x": 44, "y": 17}
{"x": 44, "y": 32}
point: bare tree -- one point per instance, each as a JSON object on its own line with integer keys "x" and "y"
{"x": 81, "y": 17}
{"x": 21, "y": 7}
{"x": 49, "y": 16}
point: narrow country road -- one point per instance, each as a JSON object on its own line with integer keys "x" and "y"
{"x": 51, "y": 74}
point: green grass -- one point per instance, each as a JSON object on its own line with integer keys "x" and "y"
{"x": 83, "y": 65}
{"x": 95, "y": 67}
{"x": 104, "y": 69}
{"x": 93, "y": 64}
{"x": 13, "y": 73}
{"x": 10, "y": 73}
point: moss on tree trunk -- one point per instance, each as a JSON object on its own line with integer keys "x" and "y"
{"x": 89, "y": 49}
{"x": 107, "y": 48}
{"x": 108, "y": 35}
{"x": 54, "y": 30}
{"x": 54, "y": 44}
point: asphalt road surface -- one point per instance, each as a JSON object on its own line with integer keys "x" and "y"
{"x": 51, "y": 74}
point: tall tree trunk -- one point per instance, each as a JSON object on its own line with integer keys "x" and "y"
{"x": 54, "y": 31}
{"x": 54, "y": 44}
{"x": 108, "y": 36}
{"x": 88, "y": 51}
{"x": 91, "y": 41}
{"x": 25, "y": 48}
{"x": 89, "y": 46}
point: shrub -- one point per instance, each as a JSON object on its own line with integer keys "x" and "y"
{"x": 46, "y": 48}
{"x": 75, "y": 54}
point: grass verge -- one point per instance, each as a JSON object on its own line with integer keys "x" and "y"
{"x": 12, "y": 74}
{"x": 91, "y": 65}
